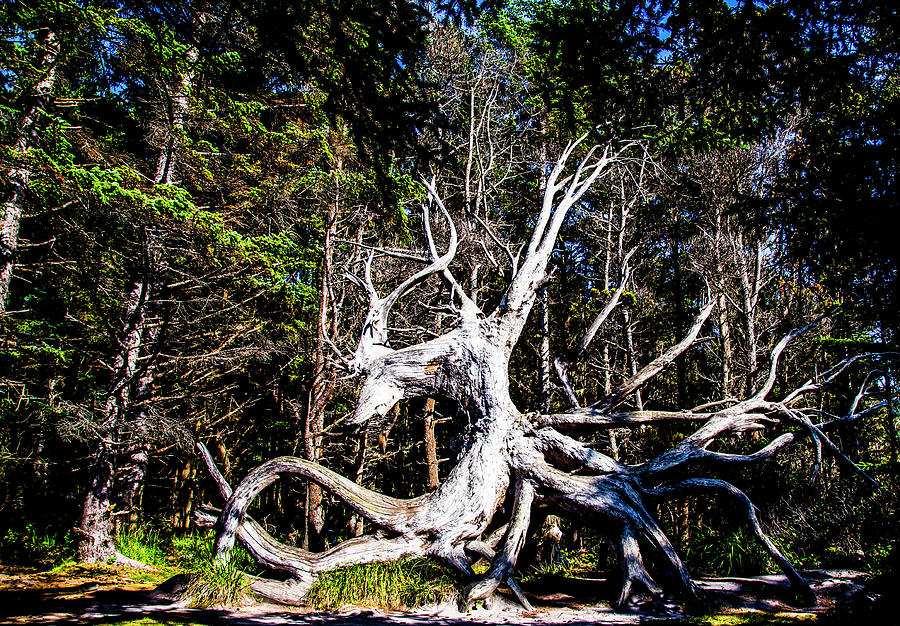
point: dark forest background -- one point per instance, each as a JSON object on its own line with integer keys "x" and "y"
{"x": 186, "y": 183}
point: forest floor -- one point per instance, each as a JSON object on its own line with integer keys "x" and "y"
{"x": 103, "y": 595}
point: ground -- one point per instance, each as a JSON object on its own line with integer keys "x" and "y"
{"x": 102, "y": 595}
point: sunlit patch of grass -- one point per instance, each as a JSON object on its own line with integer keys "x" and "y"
{"x": 143, "y": 545}
{"x": 193, "y": 551}
{"x": 408, "y": 583}
{"x": 744, "y": 619}
{"x": 214, "y": 583}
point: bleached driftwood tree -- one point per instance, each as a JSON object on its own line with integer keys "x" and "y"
{"x": 527, "y": 453}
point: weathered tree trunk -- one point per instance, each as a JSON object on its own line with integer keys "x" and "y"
{"x": 13, "y": 200}
{"x": 433, "y": 479}
{"x": 544, "y": 351}
{"x": 96, "y": 545}
{"x": 469, "y": 366}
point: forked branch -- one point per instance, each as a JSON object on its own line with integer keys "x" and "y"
{"x": 658, "y": 364}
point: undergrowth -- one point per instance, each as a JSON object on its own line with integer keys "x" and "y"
{"x": 213, "y": 583}
{"x": 34, "y": 547}
{"x": 144, "y": 545}
{"x": 408, "y": 583}
{"x": 210, "y": 582}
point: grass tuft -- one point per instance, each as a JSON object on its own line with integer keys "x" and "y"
{"x": 212, "y": 583}
{"x": 408, "y": 583}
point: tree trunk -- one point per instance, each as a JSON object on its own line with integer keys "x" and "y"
{"x": 632, "y": 357}
{"x": 322, "y": 385}
{"x": 184, "y": 488}
{"x": 544, "y": 351}
{"x": 177, "y": 110}
{"x": 433, "y": 480}
{"x": 96, "y": 525}
{"x": 13, "y": 200}
{"x": 129, "y": 486}
{"x": 469, "y": 366}
{"x": 122, "y": 427}
{"x": 96, "y": 544}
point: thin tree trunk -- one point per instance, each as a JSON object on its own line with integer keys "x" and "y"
{"x": 357, "y": 524}
{"x": 178, "y": 106}
{"x": 184, "y": 488}
{"x": 13, "y": 200}
{"x": 433, "y": 480}
{"x": 607, "y": 260}
{"x": 544, "y": 330}
{"x": 632, "y": 356}
{"x": 725, "y": 344}
{"x": 322, "y": 385}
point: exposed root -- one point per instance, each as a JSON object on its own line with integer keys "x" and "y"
{"x": 381, "y": 510}
{"x": 633, "y": 569}
{"x": 505, "y": 561}
{"x": 304, "y": 566}
{"x": 798, "y": 584}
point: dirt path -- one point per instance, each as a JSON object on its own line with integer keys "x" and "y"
{"x": 82, "y": 595}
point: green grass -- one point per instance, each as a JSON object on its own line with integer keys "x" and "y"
{"x": 744, "y": 619}
{"x": 36, "y": 547}
{"x": 210, "y": 582}
{"x": 144, "y": 545}
{"x": 213, "y": 583}
{"x": 408, "y": 583}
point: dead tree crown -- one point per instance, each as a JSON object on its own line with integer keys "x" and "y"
{"x": 526, "y": 452}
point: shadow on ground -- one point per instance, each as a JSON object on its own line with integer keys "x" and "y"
{"x": 107, "y": 599}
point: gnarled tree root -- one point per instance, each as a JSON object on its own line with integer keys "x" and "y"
{"x": 798, "y": 584}
{"x": 302, "y": 566}
{"x": 504, "y": 562}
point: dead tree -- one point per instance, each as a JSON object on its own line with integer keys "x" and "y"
{"x": 526, "y": 454}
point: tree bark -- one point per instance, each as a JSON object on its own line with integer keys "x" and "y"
{"x": 13, "y": 200}
{"x": 433, "y": 479}
{"x": 96, "y": 545}
{"x": 322, "y": 384}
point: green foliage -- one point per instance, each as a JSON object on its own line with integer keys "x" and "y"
{"x": 36, "y": 547}
{"x": 395, "y": 584}
{"x": 728, "y": 552}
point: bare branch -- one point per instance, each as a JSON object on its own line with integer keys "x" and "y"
{"x": 658, "y": 364}
{"x": 594, "y": 418}
{"x": 564, "y": 362}
{"x": 720, "y": 486}
{"x": 779, "y": 348}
